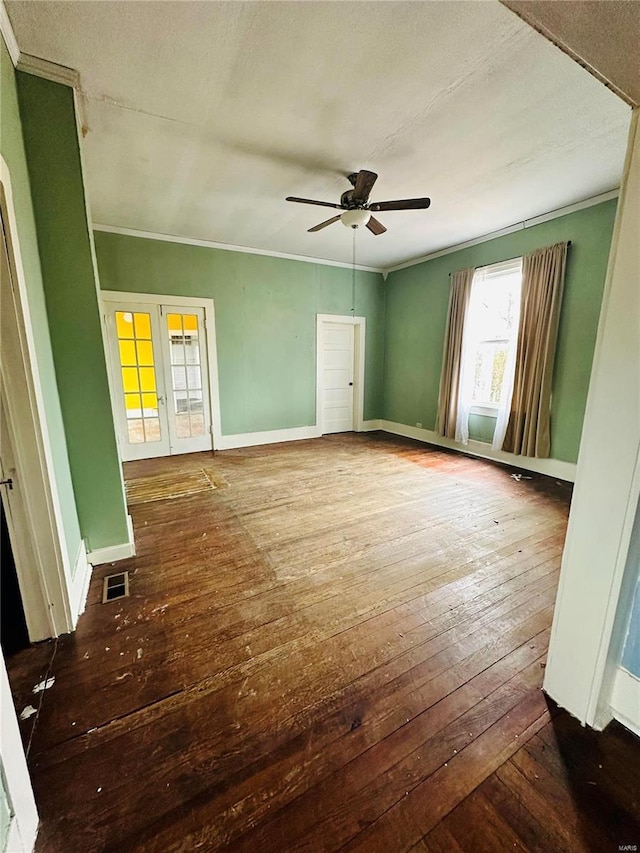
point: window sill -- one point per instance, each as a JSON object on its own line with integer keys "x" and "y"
{"x": 487, "y": 411}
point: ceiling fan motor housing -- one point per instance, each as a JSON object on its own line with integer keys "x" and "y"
{"x": 347, "y": 200}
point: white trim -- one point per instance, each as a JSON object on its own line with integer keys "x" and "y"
{"x": 586, "y": 629}
{"x": 550, "y": 467}
{"x": 212, "y": 348}
{"x": 274, "y": 436}
{"x": 33, "y": 447}
{"x": 23, "y": 825}
{"x": 572, "y": 208}
{"x": 384, "y": 271}
{"x": 48, "y": 70}
{"x": 518, "y": 226}
{"x": 484, "y": 409}
{"x": 80, "y": 584}
{"x": 113, "y": 553}
{"x": 228, "y": 247}
{"x": 132, "y": 538}
{"x": 8, "y": 34}
{"x": 360, "y": 329}
{"x": 625, "y": 700}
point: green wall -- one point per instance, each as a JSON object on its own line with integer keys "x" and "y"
{"x": 12, "y": 149}
{"x": 265, "y": 321}
{"x": 64, "y": 241}
{"x": 416, "y": 312}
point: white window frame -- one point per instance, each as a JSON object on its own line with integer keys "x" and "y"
{"x": 487, "y": 408}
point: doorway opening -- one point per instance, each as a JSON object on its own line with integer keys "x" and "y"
{"x": 14, "y": 635}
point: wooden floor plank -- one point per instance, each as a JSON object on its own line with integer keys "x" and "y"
{"x": 338, "y": 647}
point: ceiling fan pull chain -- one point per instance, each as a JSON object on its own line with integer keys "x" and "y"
{"x": 353, "y": 272}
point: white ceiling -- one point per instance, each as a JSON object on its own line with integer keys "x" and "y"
{"x": 203, "y": 116}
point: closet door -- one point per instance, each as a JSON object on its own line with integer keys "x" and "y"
{"x": 140, "y": 400}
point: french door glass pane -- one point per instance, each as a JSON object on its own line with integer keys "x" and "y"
{"x": 138, "y": 376}
{"x": 186, "y": 374}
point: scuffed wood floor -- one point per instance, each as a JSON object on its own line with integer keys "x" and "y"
{"x": 341, "y": 647}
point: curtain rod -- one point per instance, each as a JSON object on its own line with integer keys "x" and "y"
{"x": 506, "y": 260}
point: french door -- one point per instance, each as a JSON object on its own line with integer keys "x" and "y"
{"x": 160, "y": 378}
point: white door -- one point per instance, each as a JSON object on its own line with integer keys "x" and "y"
{"x": 184, "y": 355}
{"x": 140, "y": 401}
{"x": 337, "y": 377}
{"x": 160, "y": 378}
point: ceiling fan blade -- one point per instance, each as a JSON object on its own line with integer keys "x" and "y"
{"x": 363, "y": 185}
{"x": 375, "y": 227}
{"x": 311, "y": 201}
{"x": 324, "y": 224}
{"x": 402, "y": 204}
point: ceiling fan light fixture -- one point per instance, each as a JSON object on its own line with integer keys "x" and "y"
{"x": 355, "y": 218}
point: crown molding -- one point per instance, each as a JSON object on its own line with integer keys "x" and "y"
{"x": 518, "y": 226}
{"x": 228, "y": 247}
{"x": 8, "y": 35}
{"x": 34, "y": 64}
{"x": 48, "y": 70}
{"x": 384, "y": 271}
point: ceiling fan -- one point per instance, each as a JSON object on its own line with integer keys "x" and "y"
{"x": 356, "y": 207}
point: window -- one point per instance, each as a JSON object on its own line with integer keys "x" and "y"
{"x": 491, "y": 330}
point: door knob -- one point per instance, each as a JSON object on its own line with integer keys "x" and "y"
{"x": 7, "y": 482}
{"x": 351, "y": 383}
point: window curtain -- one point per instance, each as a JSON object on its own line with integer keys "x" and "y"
{"x": 528, "y": 429}
{"x": 467, "y": 366}
{"x": 452, "y": 354}
{"x": 506, "y": 391}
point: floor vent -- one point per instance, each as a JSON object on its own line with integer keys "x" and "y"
{"x": 115, "y": 586}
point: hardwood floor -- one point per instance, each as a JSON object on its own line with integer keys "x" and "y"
{"x": 339, "y": 647}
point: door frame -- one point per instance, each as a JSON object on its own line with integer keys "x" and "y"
{"x": 48, "y": 608}
{"x": 591, "y": 611}
{"x": 359, "y": 324}
{"x": 107, "y": 296}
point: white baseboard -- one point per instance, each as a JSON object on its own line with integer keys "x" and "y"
{"x": 80, "y": 583}
{"x": 625, "y": 700}
{"x": 550, "y": 467}
{"x": 113, "y": 553}
{"x": 275, "y": 436}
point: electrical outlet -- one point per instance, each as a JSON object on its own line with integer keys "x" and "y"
{"x": 419, "y": 426}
